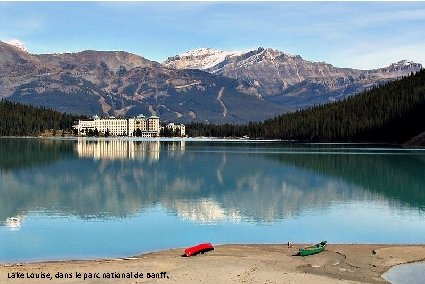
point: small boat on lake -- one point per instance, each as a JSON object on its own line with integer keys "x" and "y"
{"x": 201, "y": 248}
{"x": 313, "y": 249}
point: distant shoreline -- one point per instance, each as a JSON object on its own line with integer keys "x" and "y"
{"x": 216, "y": 139}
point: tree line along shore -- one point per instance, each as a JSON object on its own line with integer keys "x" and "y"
{"x": 390, "y": 113}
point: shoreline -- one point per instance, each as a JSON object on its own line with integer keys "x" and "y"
{"x": 389, "y": 145}
{"x": 406, "y": 145}
{"x": 232, "y": 263}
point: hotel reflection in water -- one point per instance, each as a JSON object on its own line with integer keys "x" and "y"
{"x": 123, "y": 149}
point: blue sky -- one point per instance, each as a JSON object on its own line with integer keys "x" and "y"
{"x": 346, "y": 34}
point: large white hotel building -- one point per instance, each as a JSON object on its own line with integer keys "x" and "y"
{"x": 145, "y": 126}
{"x": 137, "y": 126}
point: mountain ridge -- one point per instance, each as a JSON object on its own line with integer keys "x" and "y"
{"x": 116, "y": 83}
{"x": 235, "y": 87}
{"x": 205, "y": 52}
{"x": 273, "y": 72}
{"x": 391, "y": 113}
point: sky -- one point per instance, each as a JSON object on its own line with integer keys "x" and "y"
{"x": 361, "y": 35}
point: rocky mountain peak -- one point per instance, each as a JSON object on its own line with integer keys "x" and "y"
{"x": 402, "y": 65}
{"x": 89, "y": 59}
{"x": 17, "y": 43}
{"x": 199, "y": 52}
{"x": 396, "y": 70}
{"x": 269, "y": 55}
{"x": 213, "y": 60}
{"x": 272, "y": 71}
{"x": 236, "y": 87}
{"x": 201, "y": 58}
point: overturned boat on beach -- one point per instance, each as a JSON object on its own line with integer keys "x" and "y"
{"x": 313, "y": 249}
{"x": 201, "y": 248}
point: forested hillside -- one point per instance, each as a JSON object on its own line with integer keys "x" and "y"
{"x": 22, "y": 120}
{"x": 394, "y": 112}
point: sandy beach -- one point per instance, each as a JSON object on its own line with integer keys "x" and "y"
{"x": 226, "y": 264}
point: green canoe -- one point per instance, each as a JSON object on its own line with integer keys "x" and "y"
{"x": 313, "y": 249}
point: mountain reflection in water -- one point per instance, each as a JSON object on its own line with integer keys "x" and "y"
{"x": 95, "y": 198}
{"x": 203, "y": 182}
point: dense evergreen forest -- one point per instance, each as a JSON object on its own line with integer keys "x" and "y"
{"x": 23, "y": 120}
{"x": 394, "y": 112}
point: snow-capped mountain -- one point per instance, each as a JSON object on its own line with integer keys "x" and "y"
{"x": 234, "y": 87}
{"x": 17, "y": 43}
{"x": 201, "y": 58}
{"x": 398, "y": 69}
{"x": 278, "y": 75}
{"x": 119, "y": 83}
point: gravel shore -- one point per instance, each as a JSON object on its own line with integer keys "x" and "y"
{"x": 226, "y": 264}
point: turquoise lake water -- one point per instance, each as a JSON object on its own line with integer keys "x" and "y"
{"x": 84, "y": 199}
{"x": 411, "y": 273}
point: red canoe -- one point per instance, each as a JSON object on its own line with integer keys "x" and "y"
{"x": 201, "y": 248}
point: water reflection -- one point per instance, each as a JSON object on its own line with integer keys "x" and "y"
{"x": 23, "y": 153}
{"x": 14, "y": 223}
{"x": 397, "y": 175}
{"x": 118, "y": 149}
{"x": 200, "y": 182}
{"x": 205, "y": 211}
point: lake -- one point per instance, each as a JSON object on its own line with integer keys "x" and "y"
{"x": 95, "y": 198}
{"x": 411, "y": 273}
